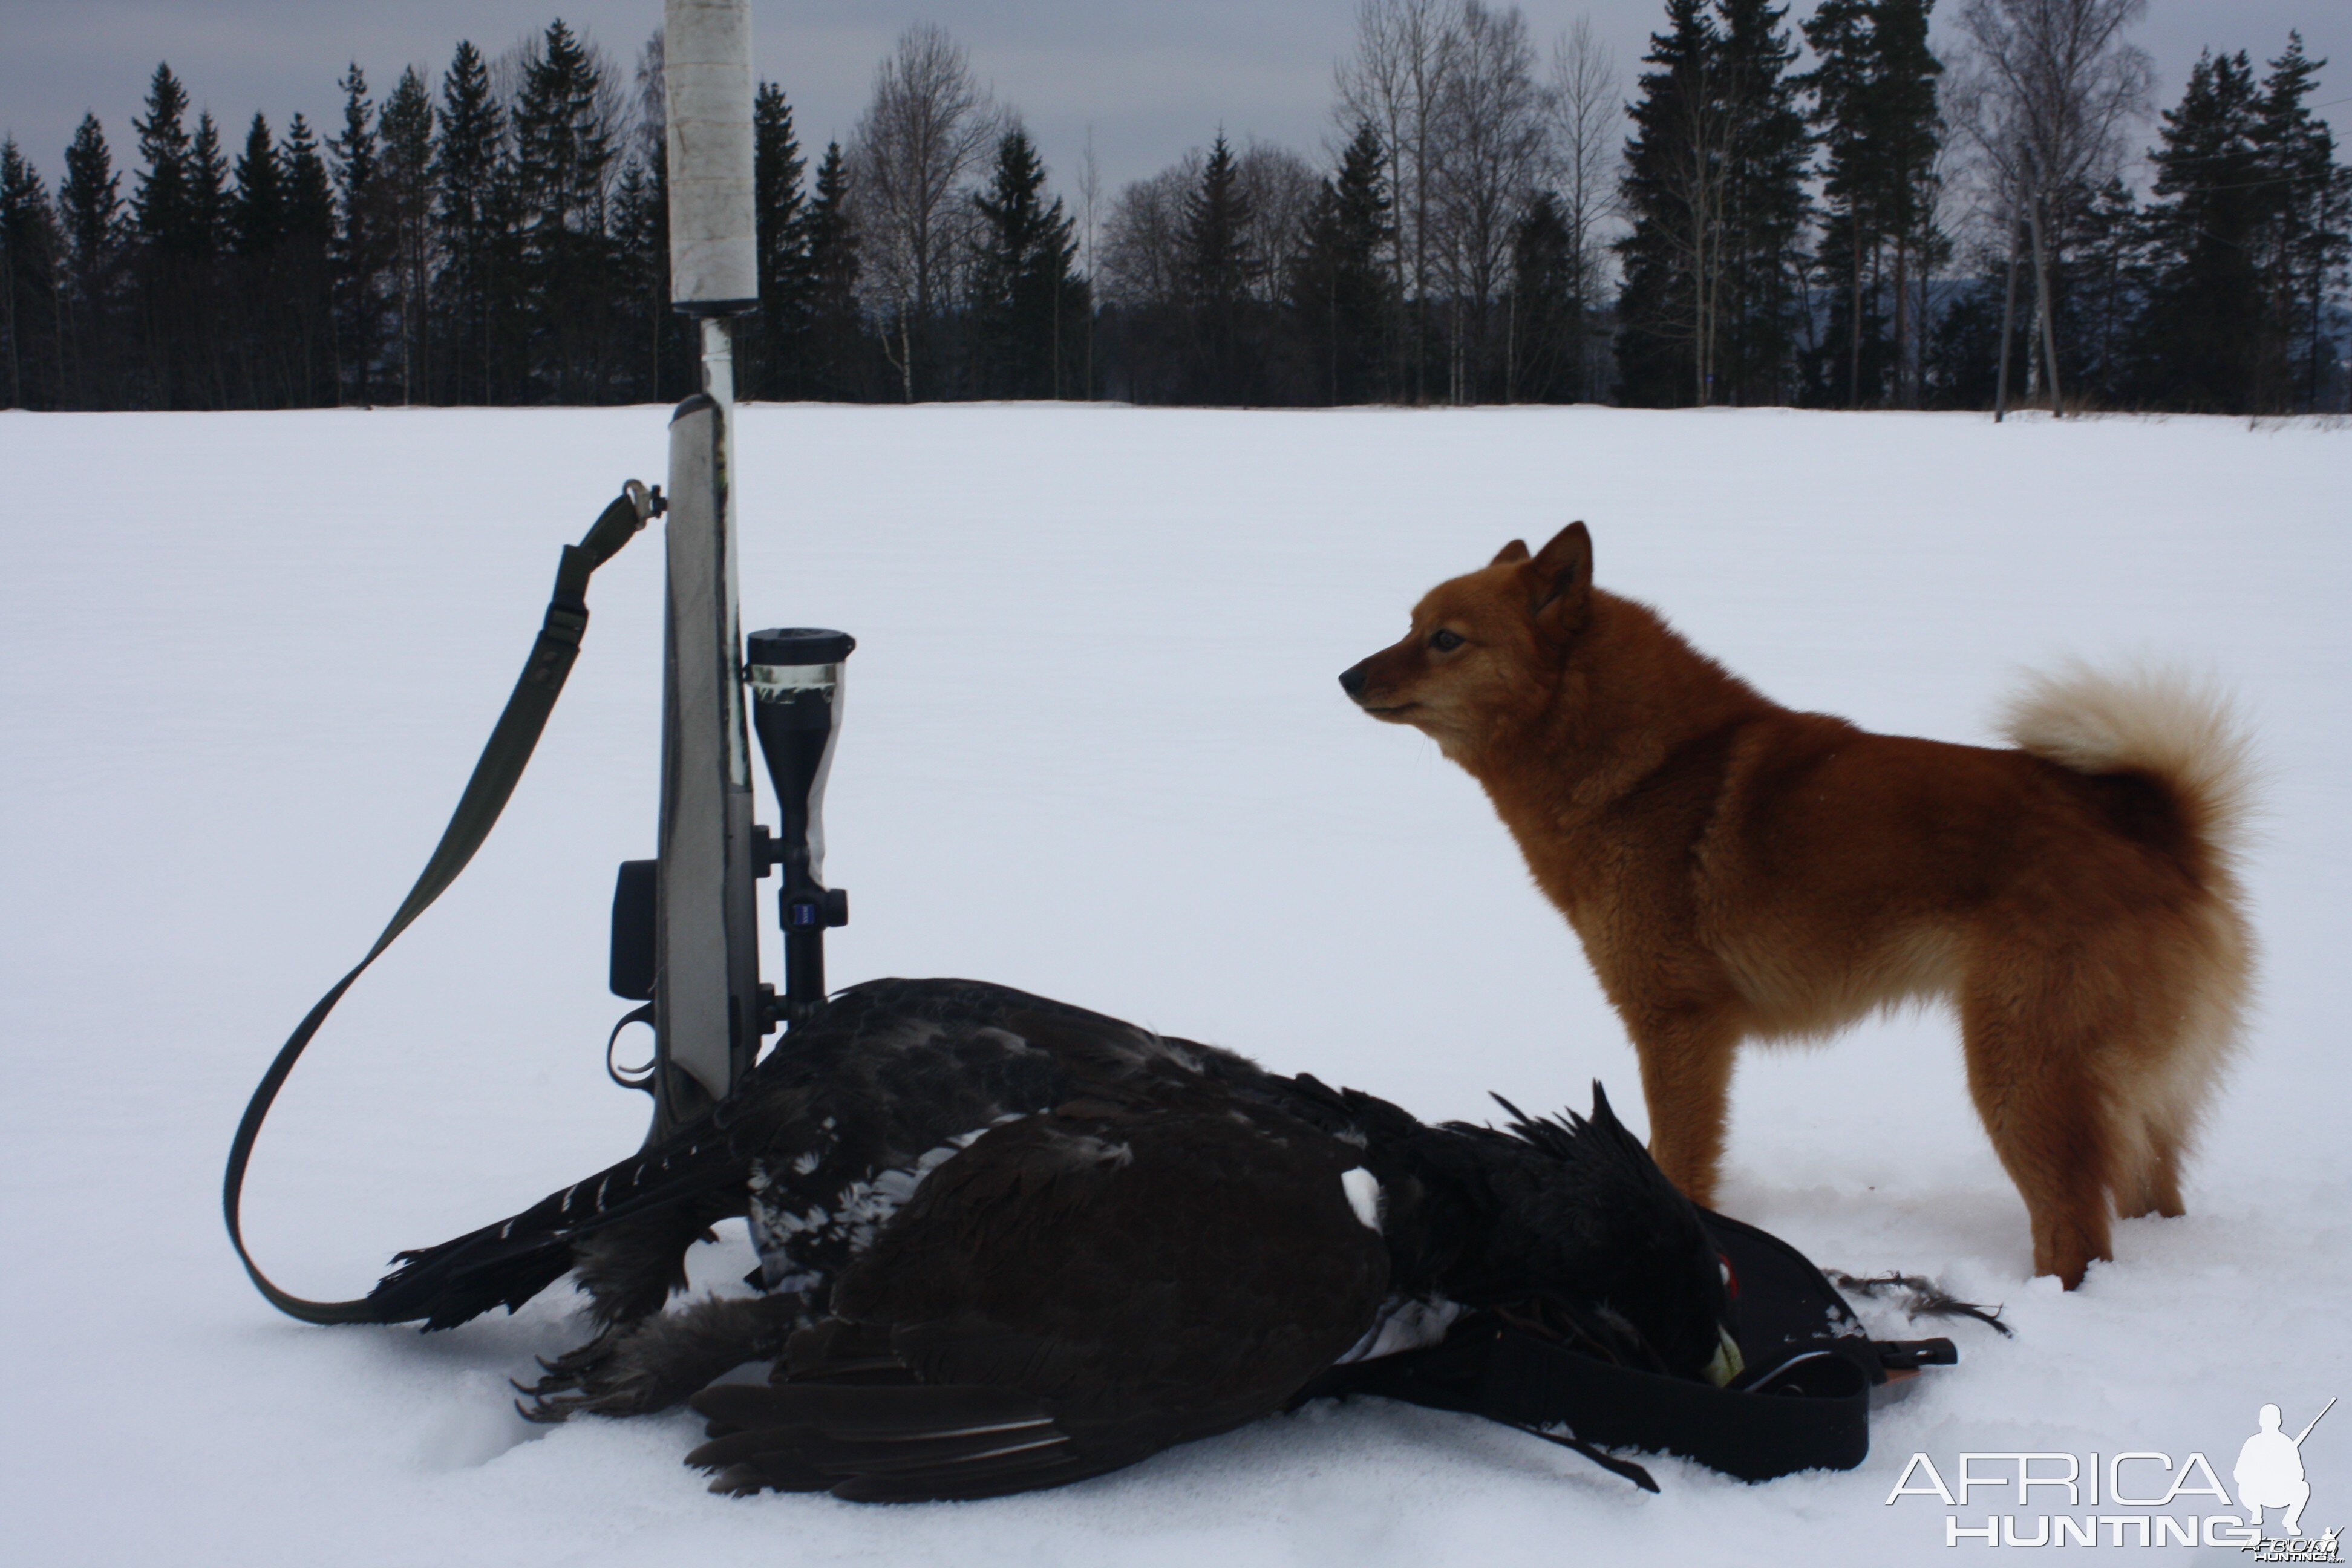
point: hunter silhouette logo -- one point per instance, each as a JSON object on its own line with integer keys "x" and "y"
{"x": 2269, "y": 1473}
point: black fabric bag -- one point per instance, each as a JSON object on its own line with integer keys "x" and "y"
{"x": 1801, "y": 1404}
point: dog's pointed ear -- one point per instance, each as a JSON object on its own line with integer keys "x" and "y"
{"x": 1511, "y": 555}
{"x": 1560, "y": 578}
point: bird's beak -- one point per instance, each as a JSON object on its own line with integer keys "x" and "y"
{"x": 1729, "y": 1363}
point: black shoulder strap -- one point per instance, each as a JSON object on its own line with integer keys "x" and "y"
{"x": 1815, "y": 1416}
{"x": 1804, "y": 1402}
{"x": 495, "y": 775}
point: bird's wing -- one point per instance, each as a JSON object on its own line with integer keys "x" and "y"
{"x": 888, "y": 1069}
{"x": 1072, "y": 1292}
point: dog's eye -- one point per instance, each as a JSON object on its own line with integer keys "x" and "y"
{"x": 1444, "y": 641}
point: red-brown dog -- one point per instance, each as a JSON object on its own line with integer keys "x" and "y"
{"x": 1737, "y": 870}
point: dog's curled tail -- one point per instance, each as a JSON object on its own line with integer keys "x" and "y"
{"x": 2181, "y": 732}
{"x": 2178, "y": 728}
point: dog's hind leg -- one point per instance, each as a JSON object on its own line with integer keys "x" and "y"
{"x": 2153, "y": 1187}
{"x": 2158, "y": 1100}
{"x": 2165, "y": 1095}
{"x": 2202, "y": 975}
{"x": 1686, "y": 1057}
{"x": 2031, "y": 1050}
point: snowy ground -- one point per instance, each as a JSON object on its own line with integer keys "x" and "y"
{"x": 1094, "y": 749}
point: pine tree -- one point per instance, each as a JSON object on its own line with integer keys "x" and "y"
{"x": 1672, "y": 189}
{"x": 1543, "y": 305}
{"x": 208, "y": 333}
{"x": 1911, "y": 132}
{"x": 1027, "y": 308}
{"x": 2206, "y": 339}
{"x": 361, "y": 249}
{"x": 1963, "y": 345}
{"x": 563, "y": 154}
{"x": 1764, "y": 205}
{"x": 208, "y": 188}
{"x": 89, "y": 199}
{"x": 1874, "y": 104}
{"x": 31, "y": 256}
{"x": 256, "y": 206}
{"x": 468, "y": 210}
{"x": 307, "y": 331}
{"x": 160, "y": 205}
{"x": 2310, "y": 233}
{"x": 640, "y": 245}
{"x": 1342, "y": 297}
{"x": 780, "y": 212}
{"x": 405, "y": 129}
{"x": 89, "y": 204}
{"x": 564, "y": 147}
{"x": 1845, "y": 85}
{"x": 1715, "y": 182}
{"x": 171, "y": 243}
{"x": 1217, "y": 274}
{"x": 2107, "y": 284}
{"x": 841, "y": 352}
{"x": 257, "y": 233}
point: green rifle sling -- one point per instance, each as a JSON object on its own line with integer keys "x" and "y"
{"x": 495, "y": 775}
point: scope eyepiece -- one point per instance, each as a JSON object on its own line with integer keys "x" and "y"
{"x": 797, "y": 645}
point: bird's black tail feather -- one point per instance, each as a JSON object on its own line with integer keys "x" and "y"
{"x": 507, "y": 1263}
{"x": 888, "y": 1444}
{"x": 462, "y": 1279}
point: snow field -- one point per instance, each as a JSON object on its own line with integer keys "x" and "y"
{"x": 1094, "y": 747}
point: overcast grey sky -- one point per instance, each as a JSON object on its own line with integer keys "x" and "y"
{"x": 1153, "y": 78}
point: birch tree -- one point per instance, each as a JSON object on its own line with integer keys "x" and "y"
{"x": 1486, "y": 148}
{"x": 926, "y": 132}
{"x": 1277, "y": 188}
{"x": 2049, "y": 89}
{"x": 1395, "y": 83}
{"x": 1586, "y": 116}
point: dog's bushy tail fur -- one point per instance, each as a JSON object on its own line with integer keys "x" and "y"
{"x": 2182, "y": 732}
{"x": 2175, "y": 726}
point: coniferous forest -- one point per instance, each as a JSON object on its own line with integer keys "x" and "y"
{"x": 1824, "y": 212}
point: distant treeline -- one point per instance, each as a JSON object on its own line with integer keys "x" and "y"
{"x": 1492, "y": 224}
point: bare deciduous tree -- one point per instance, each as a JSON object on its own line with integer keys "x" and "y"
{"x": 1143, "y": 254}
{"x": 1089, "y": 205}
{"x": 1487, "y": 148}
{"x": 927, "y": 130}
{"x": 1405, "y": 51}
{"x": 2049, "y": 92}
{"x": 650, "y": 110}
{"x": 1702, "y": 173}
{"x": 1587, "y": 132}
{"x": 1279, "y": 187}
{"x": 1143, "y": 237}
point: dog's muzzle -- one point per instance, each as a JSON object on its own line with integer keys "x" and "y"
{"x": 1351, "y": 680}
